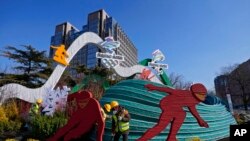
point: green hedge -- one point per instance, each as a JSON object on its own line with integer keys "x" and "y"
{"x": 10, "y": 126}
{"x": 45, "y": 126}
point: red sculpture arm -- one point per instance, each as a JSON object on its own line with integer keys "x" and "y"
{"x": 152, "y": 87}
{"x": 194, "y": 112}
{"x": 100, "y": 123}
{"x": 100, "y": 130}
{"x": 73, "y": 121}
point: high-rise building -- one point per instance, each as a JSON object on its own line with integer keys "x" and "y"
{"x": 102, "y": 24}
{"x": 65, "y": 33}
{"x": 221, "y": 86}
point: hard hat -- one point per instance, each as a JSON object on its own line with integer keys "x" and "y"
{"x": 39, "y": 101}
{"x": 107, "y": 107}
{"x": 114, "y": 104}
{"x": 198, "y": 88}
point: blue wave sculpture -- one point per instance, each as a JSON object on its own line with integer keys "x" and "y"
{"x": 143, "y": 108}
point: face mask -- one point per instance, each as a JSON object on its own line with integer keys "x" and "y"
{"x": 114, "y": 112}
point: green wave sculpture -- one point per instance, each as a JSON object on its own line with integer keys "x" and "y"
{"x": 143, "y": 108}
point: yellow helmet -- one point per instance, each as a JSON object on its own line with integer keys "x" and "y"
{"x": 114, "y": 104}
{"x": 39, "y": 101}
{"x": 107, "y": 107}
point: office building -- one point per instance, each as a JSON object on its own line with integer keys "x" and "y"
{"x": 65, "y": 33}
{"x": 102, "y": 24}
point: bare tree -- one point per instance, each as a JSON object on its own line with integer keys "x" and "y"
{"x": 237, "y": 83}
{"x": 211, "y": 92}
{"x": 178, "y": 81}
{"x": 228, "y": 69}
{"x": 222, "y": 81}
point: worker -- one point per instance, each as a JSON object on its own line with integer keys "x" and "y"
{"x": 36, "y": 108}
{"x": 120, "y": 122}
{"x": 106, "y": 109}
{"x": 114, "y": 106}
{"x": 91, "y": 135}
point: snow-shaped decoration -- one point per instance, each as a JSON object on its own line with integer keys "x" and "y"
{"x": 55, "y": 100}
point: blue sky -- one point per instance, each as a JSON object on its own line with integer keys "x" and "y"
{"x": 198, "y": 37}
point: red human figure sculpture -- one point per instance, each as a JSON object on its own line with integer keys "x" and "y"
{"x": 82, "y": 120}
{"x": 172, "y": 109}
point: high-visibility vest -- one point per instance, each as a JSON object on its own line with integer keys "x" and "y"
{"x": 34, "y": 109}
{"x": 120, "y": 125}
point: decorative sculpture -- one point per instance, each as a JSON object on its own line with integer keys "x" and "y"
{"x": 87, "y": 115}
{"x": 110, "y": 44}
{"x": 60, "y": 55}
{"x": 172, "y": 109}
{"x": 55, "y": 100}
{"x": 145, "y": 74}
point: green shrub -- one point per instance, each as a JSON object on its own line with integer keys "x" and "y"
{"x": 194, "y": 139}
{"x": 3, "y": 116}
{"x": 11, "y": 109}
{"x": 2, "y": 125}
{"x": 11, "y": 140}
{"x": 13, "y": 125}
{"x": 9, "y": 118}
{"x": 45, "y": 126}
{"x": 10, "y": 125}
{"x": 32, "y": 140}
{"x": 240, "y": 119}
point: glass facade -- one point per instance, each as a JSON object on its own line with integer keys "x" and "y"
{"x": 91, "y": 56}
{"x": 100, "y": 23}
{"x": 110, "y": 27}
{"x": 94, "y": 26}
